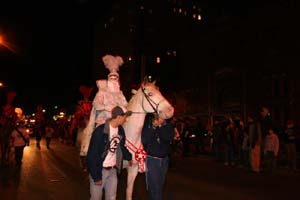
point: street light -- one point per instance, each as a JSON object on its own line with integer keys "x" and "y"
{"x": 1, "y": 40}
{"x": 6, "y": 44}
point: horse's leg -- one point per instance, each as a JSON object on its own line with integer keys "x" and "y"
{"x": 131, "y": 175}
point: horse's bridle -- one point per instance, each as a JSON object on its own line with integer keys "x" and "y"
{"x": 151, "y": 102}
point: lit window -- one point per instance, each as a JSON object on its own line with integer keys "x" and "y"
{"x": 174, "y": 53}
{"x": 129, "y": 58}
{"x": 180, "y": 10}
{"x": 185, "y": 13}
{"x": 194, "y": 7}
{"x": 174, "y": 10}
{"x": 199, "y": 17}
{"x": 194, "y": 16}
{"x": 157, "y": 59}
{"x": 168, "y": 53}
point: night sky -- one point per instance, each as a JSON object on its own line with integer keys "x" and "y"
{"x": 51, "y": 57}
{"x": 53, "y": 47}
{"x": 52, "y": 53}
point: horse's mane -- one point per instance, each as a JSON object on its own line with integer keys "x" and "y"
{"x": 135, "y": 97}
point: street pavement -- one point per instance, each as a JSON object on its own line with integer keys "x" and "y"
{"x": 55, "y": 174}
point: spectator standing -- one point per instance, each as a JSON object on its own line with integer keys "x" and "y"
{"x": 265, "y": 124}
{"x": 271, "y": 150}
{"x": 254, "y": 132}
{"x": 245, "y": 150}
{"x": 265, "y": 121}
{"x": 290, "y": 145}
{"x": 217, "y": 131}
{"x": 229, "y": 143}
{"x": 49, "y": 131}
{"x": 39, "y": 125}
{"x": 174, "y": 145}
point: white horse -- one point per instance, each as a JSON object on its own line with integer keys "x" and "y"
{"x": 147, "y": 99}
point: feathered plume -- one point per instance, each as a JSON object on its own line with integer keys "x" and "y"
{"x": 112, "y": 63}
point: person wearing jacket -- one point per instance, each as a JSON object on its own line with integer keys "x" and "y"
{"x": 105, "y": 155}
{"x": 157, "y": 137}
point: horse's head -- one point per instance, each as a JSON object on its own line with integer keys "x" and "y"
{"x": 154, "y": 102}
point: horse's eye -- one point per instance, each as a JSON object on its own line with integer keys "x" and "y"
{"x": 150, "y": 94}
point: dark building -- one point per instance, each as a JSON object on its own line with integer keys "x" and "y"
{"x": 210, "y": 58}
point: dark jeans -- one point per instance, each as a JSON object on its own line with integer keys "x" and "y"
{"x": 270, "y": 161}
{"x": 245, "y": 158}
{"x": 155, "y": 176}
{"x": 217, "y": 149}
{"x": 229, "y": 154}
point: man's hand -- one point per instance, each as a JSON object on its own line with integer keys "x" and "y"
{"x": 98, "y": 182}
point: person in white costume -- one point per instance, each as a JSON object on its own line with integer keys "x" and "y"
{"x": 108, "y": 96}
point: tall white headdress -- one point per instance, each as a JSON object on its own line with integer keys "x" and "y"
{"x": 112, "y": 63}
